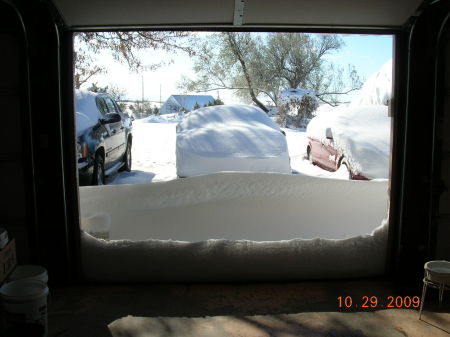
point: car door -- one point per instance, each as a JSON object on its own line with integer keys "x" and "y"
{"x": 316, "y": 150}
{"x": 107, "y": 135}
{"x": 329, "y": 152}
{"x": 330, "y": 156}
{"x": 117, "y": 132}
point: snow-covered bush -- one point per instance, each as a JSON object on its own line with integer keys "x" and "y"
{"x": 297, "y": 107}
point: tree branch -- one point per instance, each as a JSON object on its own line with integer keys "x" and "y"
{"x": 322, "y": 100}
{"x": 337, "y": 93}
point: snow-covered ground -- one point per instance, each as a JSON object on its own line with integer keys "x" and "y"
{"x": 235, "y": 226}
{"x": 154, "y": 156}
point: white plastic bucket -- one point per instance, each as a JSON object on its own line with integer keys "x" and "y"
{"x": 34, "y": 272}
{"x": 24, "y": 303}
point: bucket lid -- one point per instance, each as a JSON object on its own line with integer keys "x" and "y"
{"x": 21, "y": 290}
{"x": 29, "y": 271}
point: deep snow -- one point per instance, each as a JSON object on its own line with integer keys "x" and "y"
{"x": 377, "y": 89}
{"x": 233, "y": 205}
{"x": 236, "y": 227}
{"x": 234, "y": 260}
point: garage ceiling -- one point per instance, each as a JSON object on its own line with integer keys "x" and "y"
{"x": 346, "y": 13}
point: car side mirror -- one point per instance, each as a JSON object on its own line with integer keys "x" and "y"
{"x": 328, "y": 134}
{"x": 111, "y": 118}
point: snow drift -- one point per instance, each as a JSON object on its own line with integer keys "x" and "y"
{"x": 235, "y": 227}
{"x": 230, "y": 138}
{"x": 377, "y": 89}
{"x": 234, "y": 260}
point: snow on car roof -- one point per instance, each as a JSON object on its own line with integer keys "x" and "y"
{"x": 221, "y": 115}
{"x": 230, "y": 134}
{"x": 231, "y": 131}
{"x": 86, "y": 112}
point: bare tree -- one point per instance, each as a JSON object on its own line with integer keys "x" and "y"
{"x": 258, "y": 67}
{"x": 241, "y": 46}
{"x": 117, "y": 92}
{"x": 85, "y": 68}
{"x": 124, "y": 47}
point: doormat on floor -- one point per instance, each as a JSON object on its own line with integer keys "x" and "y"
{"x": 392, "y": 323}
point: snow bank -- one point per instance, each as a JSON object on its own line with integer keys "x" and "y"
{"x": 166, "y": 118}
{"x": 86, "y": 113}
{"x": 241, "y": 260}
{"x": 361, "y": 133}
{"x": 377, "y": 89}
{"x": 237, "y": 226}
{"x": 230, "y": 138}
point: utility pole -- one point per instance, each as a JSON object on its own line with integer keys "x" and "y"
{"x": 142, "y": 76}
{"x": 160, "y": 102}
{"x": 142, "y": 98}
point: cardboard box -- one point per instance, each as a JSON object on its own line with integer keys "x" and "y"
{"x": 8, "y": 260}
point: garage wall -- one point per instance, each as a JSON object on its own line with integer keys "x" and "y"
{"x": 443, "y": 236}
{"x": 13, "y": 154}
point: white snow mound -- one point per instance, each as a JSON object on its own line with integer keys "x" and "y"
{"x": 230, "y": 138}
{"x": 377, "y": 89}
{"x": 236, "y": 226}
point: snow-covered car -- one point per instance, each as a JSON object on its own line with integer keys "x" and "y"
{"x": 356, "y": 139}
{"x": 104, "y": 137}
{"x": 230, "y": 138}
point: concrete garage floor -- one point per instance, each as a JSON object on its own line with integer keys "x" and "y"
{"x": 246, "y": 310}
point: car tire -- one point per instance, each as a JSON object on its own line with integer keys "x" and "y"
{"x": 310, "y": 157}
{"x": 127, "y": 158}
{"x": 349, "y": 172}
{"x": 98, "y": 177}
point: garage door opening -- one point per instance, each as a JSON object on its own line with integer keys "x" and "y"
{"x": 217, "y": 146}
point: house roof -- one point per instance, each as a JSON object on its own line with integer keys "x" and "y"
{"x": 188, "y": 101}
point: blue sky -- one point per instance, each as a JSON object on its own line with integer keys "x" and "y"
{"x": 366, "y": 52}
